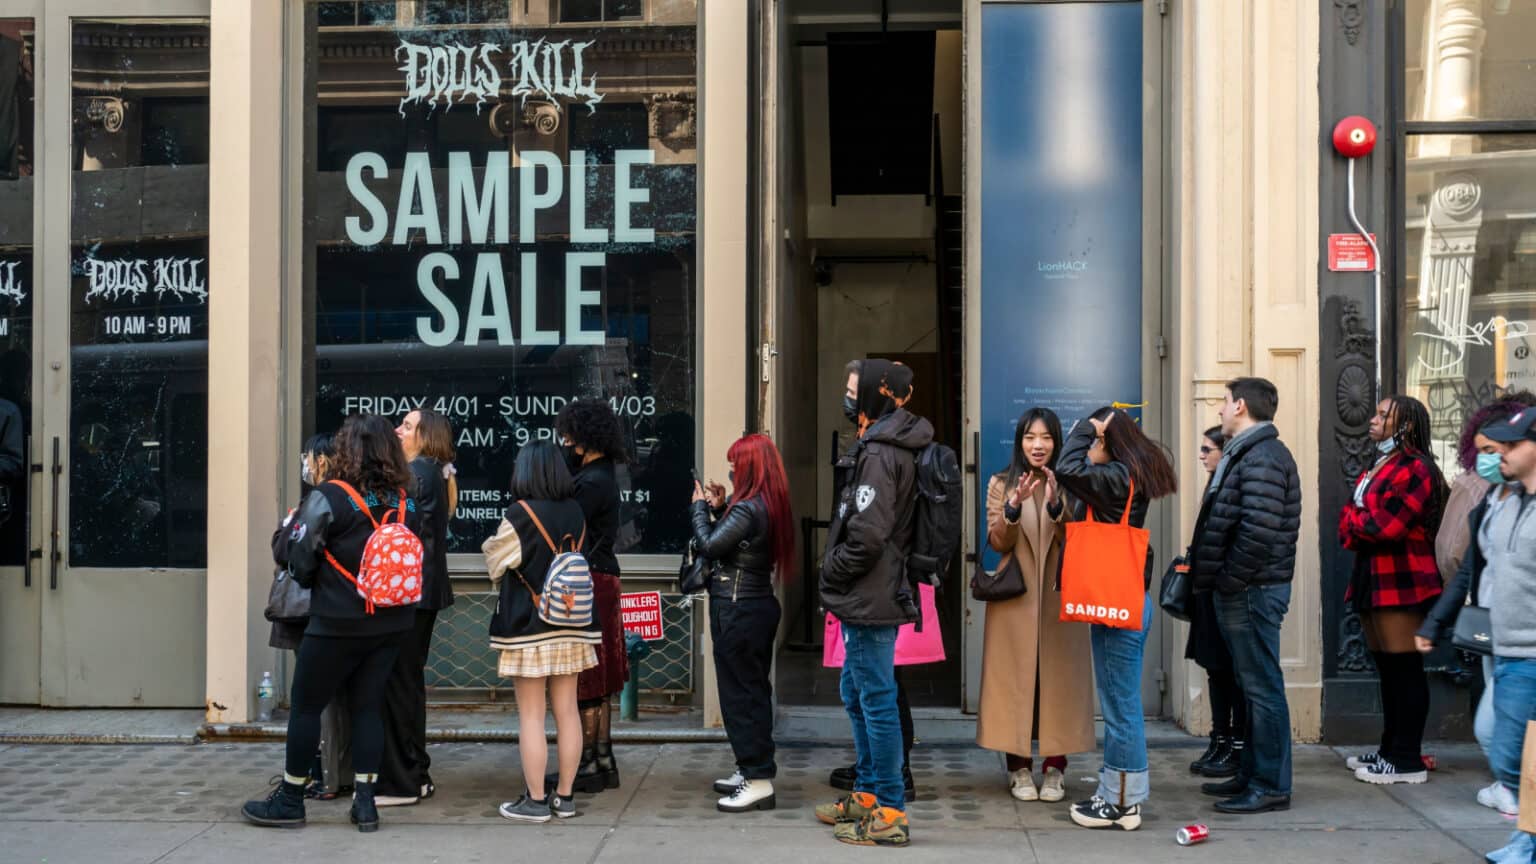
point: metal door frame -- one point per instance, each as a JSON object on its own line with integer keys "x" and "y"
{"x": 49, "y": 510}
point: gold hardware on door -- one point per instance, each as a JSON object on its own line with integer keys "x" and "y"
{"x": 53, "y": 564}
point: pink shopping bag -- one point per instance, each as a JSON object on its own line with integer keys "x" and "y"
{"x": 912, "y": 648}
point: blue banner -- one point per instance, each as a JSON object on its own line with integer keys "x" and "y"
{"x": 1061, "y": 233}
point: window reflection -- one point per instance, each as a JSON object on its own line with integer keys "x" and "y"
{"x": 139, "y": 294}
{"x": 17, "y": 86}
{"x": 1470, "y": 59}
{"x": 1470, "y": 282}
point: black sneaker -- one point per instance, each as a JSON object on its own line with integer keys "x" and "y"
{"x": 843, "y": 778}
{"x": 284, "y": 808}
{"x": 1218, "y": 743}
{"x": 1098, "y": 813}
{"x": 526, "y": 809}
{"x": 562, "y": 807}
{"x": 1384, "y": 773}
{"x": 365, "y": 811}
{"x": 1364, "y": 760}
{"x": 1228, "y": 789}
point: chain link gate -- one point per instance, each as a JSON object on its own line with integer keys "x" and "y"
{"x": 462, "y": 660}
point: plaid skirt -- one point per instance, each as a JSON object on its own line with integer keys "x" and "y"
{"x": 547, "y": 660}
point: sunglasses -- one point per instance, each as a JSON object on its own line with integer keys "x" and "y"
{"x": 1206, "y": 450}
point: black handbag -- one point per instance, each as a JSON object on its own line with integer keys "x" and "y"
{"x": 1178, "y": 589}
{"x": 287, "y": 600}
{"x": 693, "y": 575}
{"x": 1004, "y": 583}
{"x": 1474, "y": 630}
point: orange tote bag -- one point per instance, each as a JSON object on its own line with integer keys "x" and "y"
{"x": 1103, "y": 569}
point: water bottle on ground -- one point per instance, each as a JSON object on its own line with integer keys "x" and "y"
{"x": 266, "y": 698}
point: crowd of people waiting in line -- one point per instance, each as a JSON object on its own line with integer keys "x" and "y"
{"x": 1429, "y": 560}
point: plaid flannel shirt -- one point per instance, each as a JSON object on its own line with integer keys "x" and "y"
{"x": 1391, "y": 531}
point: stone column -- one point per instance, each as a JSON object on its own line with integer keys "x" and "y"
{"x": 245, "y": 254}
{"x": 1446, "y": 261}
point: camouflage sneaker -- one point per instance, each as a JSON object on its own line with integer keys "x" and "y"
{"x": 885, "y": 826}
{"x": 851, "y": 809}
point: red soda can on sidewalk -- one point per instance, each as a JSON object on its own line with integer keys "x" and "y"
{"x": 1189, "y": 835}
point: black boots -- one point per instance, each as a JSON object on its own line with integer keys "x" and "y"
{"x": 365, "y": 815}
{"x": 284, "y": 808}
{"x": 598, "y": 770}
{"x": 1222, "y": 759}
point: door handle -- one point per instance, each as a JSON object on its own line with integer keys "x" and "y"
{"x": 53, "y": 564}
{"x": 32, "y": 554}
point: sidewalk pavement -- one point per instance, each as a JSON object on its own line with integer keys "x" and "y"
{"x": 105, "y": 804}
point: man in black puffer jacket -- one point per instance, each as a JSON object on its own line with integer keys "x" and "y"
{"x": 1245, "y": 551}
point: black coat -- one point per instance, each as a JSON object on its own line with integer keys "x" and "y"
{"x": 329, "y": 520}
{"x": 1441, "y": 620}
{"x": 597, "y": 490}
{"x": 1104, "y": 488}
{"x": 1248, "y": 525}
{"x": 739, "y": 541}
{"x": 864, "y": 572}
{"x": 517, "y": 559}
{"x": 435, "y": 509}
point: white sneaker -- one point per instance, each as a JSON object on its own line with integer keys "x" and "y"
{"x": 729, "y": 784}
{"x": 1364, "y": 760}
{"x": 1021, "y": 784}
{"x": 1498, "y": 797}
{"x": 1384, "y": 773}
{"x": 395, "y": 801}
{"x": 1054, "y": 788}
{"x": 748, "y": 795}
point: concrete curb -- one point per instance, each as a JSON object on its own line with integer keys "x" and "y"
{"x": 265, "y": 732}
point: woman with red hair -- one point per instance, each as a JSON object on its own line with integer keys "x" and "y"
{"x": 747, "y": 536}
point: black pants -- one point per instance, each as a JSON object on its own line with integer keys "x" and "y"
{"x": 1229, "y": 710}
{"x": 403, "y": 770}
{"x": 743, "y": 632}
{"x": 327, "y": 665}
{"x": 1404, "y": 708}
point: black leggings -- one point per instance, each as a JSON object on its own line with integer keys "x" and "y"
{"x": 1229, "y": 710}
{"x": 326, "y": 664}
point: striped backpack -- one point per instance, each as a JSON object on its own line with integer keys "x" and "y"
{"x": 390, "y": 572}
{"x": 567, "y": 597}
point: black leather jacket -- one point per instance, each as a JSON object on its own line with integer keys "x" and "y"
{"x": 739, "y": 542}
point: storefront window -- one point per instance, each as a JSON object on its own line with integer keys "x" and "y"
{"x": 17, "y": 86}
{"x": 1469, "y": 285}
{"x": 139, "y": 295}
{"x": 502, "y": 219}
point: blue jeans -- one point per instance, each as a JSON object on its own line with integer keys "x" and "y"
{"x": 1514, "y": 698}
{"x": 1250, "y": 622}
{"x": 1123, "y": 780}
{"x": 869, "y": 695}
{"x": 1483, "y": 720}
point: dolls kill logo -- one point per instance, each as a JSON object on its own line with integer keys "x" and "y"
{"x": 456, "y": 73}
{"x": 11, "y": 286}
{"x": 130, "y": 278}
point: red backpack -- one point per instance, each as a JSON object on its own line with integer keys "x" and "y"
{"x": 390, "y": 572}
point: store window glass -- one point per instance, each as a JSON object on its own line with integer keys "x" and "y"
{"x": 1470, "y": 282}
{"x": 1469, "y": 59}
{"x": 18, "y": 62}
{"x": 502, "y": 219}
{"x": 139, "y": 294}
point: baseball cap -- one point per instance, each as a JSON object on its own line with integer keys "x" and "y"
{"x": 1521, "y": 427}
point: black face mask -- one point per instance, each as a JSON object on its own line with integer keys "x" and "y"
{"x": 572, "y": 458}
{"x": 850, "y": 408}
{"x": 730, "y": 477}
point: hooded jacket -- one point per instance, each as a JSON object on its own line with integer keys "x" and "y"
{"x": 864, "y": 572}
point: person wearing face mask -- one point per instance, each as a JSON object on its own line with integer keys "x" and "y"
{"x": 863, "y": 582}
{"x": 592, "y": 441}
{"x": 1390, "y": 526}
{"x": 1033, "y": 664}
{"x": 1480, "y": 489}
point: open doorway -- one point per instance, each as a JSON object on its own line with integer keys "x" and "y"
{"x": 865, "y": 257}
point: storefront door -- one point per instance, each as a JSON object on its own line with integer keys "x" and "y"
{"x": 103, "y": 333}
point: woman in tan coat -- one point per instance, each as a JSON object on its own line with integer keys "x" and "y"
{"x": 1036, "y": 670}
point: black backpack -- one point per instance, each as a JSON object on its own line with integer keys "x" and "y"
{"x": 939, "y": 512}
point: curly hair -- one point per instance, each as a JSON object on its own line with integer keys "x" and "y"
{"x": 1503, "y": 408}
{"x": 591, "y": 425}
{"x": 369, "y": 456}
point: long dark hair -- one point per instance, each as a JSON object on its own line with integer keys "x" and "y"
{"x": 1148, "y": 462}
{"x": 1412, "y": 436}
{"x": 369, "y": 456}
{"x": 1217, "y": 437}
{"x": 760, "y": 473}
{"x": 539, "y": 474}
{"x": 1018, "y": 465}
